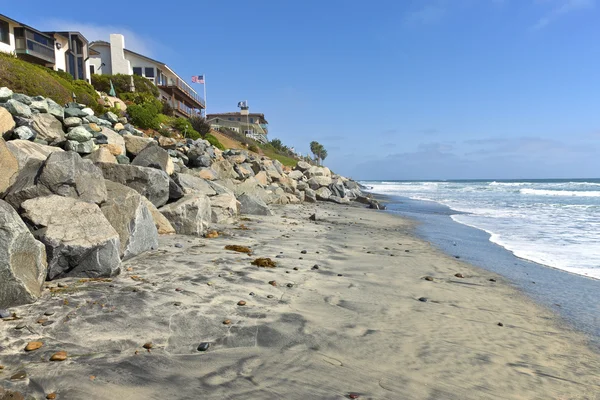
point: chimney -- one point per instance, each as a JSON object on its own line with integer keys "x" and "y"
{"x": 117, "y": 54}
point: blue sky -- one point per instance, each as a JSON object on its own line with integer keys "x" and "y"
{"x": 411, "y": 89}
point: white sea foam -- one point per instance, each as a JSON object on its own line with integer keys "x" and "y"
{"x": 554, "y": 223}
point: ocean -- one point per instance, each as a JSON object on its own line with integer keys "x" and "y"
{"x": 555, "y": 223}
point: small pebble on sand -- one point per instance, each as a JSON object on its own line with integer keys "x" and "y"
{"x": 270, "y": 296}
{"x": 295, "y": 268}
{"x": 423, "y": 299}
{"x": 51, "y": 396}
{"x": 31, "y": 346}
{"x": 241, "y": 303}
{"x": 5, "y": 313}
{"x": 459, "y": 275}
{"x": 227, "y": 322}
{"x": 19, "y": 376}
{"x": 59, "y": 356}
{"x": 178, "y": 245}
{"x": 303, "y": 252}
{"x": 203, "y": 346}
{"x": 290, "y": 285}
{"x": 500, "y": 324}
{"x": 148, "y": 345}
{"x": 315, "y": 266}
{"x": 428, "y": 278}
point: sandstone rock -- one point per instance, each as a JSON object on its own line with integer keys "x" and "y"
{"x": 48, "y": 128}
{"x": 162, "y": 224}
{"x": 79, "y": 134}
{"x": 190, "y": 215}
{"x": 262, "y": 178}
{"x": 149, "y": 182}
{"x": 22, "y": 260}
{"x": 16, "y": 108}
{"x": 118, "y": 127}
{"x": 24, "y": 133}
{"x": 224, "y": 169}
{"x": 208, "y": 174}
{"x": 25, "y": 151}
{"x": 250, "y": 204}
{"x": 64, "y": 174}
{"x": 102, "y": 155}
{"x": 127, "y": 212}
{"x": 155, "y": 157}
{"x": 310, "y": 196}
{"x": 7, "y": 123}
{"x": 94, "y": 127}
{"x": 135, "y": 144}
{"x": 167, "y": 143}
{"x": 192, "y": 184}
{"x": 323, "y": 193}
{"x": 79, "y": 240}
{"x": 9, "y": 167}
{"x": 244, "y": 171}
{"x": 114, "y": 139}
{"x": 224, "y": 208}
{"x": 115, "y": 150}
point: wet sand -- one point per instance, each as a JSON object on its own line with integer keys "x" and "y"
{"x": 320, "y": 335}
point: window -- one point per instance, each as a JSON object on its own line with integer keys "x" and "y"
{"x": 43, "y": 40}
{"x": 79, "y": 68}
{"x": 92, "y": 70}
{"x": 231, "y": 119}
{"x": 137, "y": 71}
{"x": 239, "y": 119}
{"x": 19, "y": 32}
{"x": 149, "y": 72}
{"x": 251, "y": 120}
{"x": 4, "y": 32}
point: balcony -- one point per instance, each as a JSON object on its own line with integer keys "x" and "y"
{"x": 35, "y": 47}
{"x": 181, "y": 108}
{"x": 181, "y": 89}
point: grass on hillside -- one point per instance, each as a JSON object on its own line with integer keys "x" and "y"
{"x": 35, "y": 80}
{"x": 285, "y": 160}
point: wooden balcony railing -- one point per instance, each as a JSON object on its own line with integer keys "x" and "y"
{"x": 183, "y": 87}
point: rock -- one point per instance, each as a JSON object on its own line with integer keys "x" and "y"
{"x": 59, "y": 356}
{"x": 5, "y": 313}
{"x": 227, "y": 322}
{"x": 224, "y": 207}
{"x": 149, "y": 182}
{"x": 253, "y": 205}
{"x": 323, "y": 194}
{"x": 16, "y": 108}
{"x": 127, "y": 212}
{"x": 79, "y": 134}
{"x": 118, "y": 127}
{"x": 317, "y": 171}
{"x": 262, "y": 178}
{"x": 192, "y": 184}
{"x": 224, "y": 169}
{"x": 175, "y": 191}
{"x": 9, "y": 167}
{"x": 22, "y": 260}
{"x": 79, "y": 239}
{"x": 428, "y": 278}
{"x": 81, "y": 147}
{"x": 135, "y": 144}
{"x": 113, "y": 138}
{"x": 317, "y": 182}
{"x": 64, "y": 174}
{"x": 208, "y": 174}
{"x": 26, "y": 151}
{"x": 110, "y": 117}
{"x": 500, "y": 324}
{"x": 155, "y": 157}
{"x": 74, "y": 112}
{"x": 5, "y": 94}
{"x": 102, "y": 155}
{"x": 20, "y": 375}
{"x": 339, "y": 200}
{"x": 7, "y": 123}
{"x": 148, "y": 345}
{"x": 24, "y": 133}
{"x": 55, "y": 110}
{"x": 51, "y": 396}
{"x": 39, "y": 106}
{"x": 88, "y": 111}
{"x": 244, "y": 171}
{"x": 191, "y": 215}
{"x": 94, "y": 127}
{"x": 48, "y": 128}
{"x": 423, "y": 299}
{"x": 162, "y": 224}
{"x": 241, "y": 303}
{"x": 296, "y": 174}
{"x": 167, "y": 143}
{"x": 121, "y": 159}
{"x": 203, "y": 346}
{"x": 22, "y": 98}
{"x": 310, "y": 196}
{"x": 32, "y": 346}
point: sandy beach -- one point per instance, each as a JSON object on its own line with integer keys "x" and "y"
{"x": 350, "y": 313}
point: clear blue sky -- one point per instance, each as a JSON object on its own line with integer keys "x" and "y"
{"x": 411, "y": 89}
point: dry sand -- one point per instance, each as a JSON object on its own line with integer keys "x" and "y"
{"x": 325, "y": 337}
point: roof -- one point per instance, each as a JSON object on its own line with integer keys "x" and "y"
{"x": 237, "y": 114}
{"x": 25, "y": 26}
{"x": 67, "y": 33}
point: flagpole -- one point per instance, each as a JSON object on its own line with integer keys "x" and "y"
{"x": 205, "y": 114}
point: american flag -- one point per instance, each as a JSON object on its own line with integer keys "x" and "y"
{"x": 198, "y": 79}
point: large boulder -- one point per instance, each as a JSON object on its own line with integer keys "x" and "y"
{"x": 135, "y": 144}
{"x": 337, "y": 188}
{"x": 24, "y": 133}
{"x": 149, "y": 182}
{"x": 193, "y": 184}
{"x": 155, "y": 157}
{"x": 64, "y": 174}
{"x": 162, "y": 224}
{"x": 7, "y": 123}
{"x": 319, "y": 181}
{"x": 5, "y": 94}
{"x": 9, "y": 167}
{"x": 55, "y": 109}
{"x": 22, "y": 260}
{"x": 323, "y": 193}
{"x": 254, "y": 205}
{"x": 79, "y": 239}
{"x": 128, "y": 213}
{"x": 310, "y": 196}
{"x": 296, "y": 174}
{"x": 317, "y": 171}
{"x": 81, "y": 147}
{"x": 224, "y": 207}
{"x": 114, "y": 139}
{"x": 18, "y": 109}
{"x": 191, "y": 215}
{"x": 48, "y": 128}
{"x": 224, "y": 169}
{"x": 24, "y": 151}
{"x": 79, "y": 134}
{"x": 102, "y": 155}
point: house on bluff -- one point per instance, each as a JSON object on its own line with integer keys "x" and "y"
{"x": 113, "y": 58}
{"x": 252, "y": 125}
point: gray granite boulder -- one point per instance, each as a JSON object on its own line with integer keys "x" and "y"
{"x": 79, "y": 240}
{"x": 128, "y": 213}
{"x": 63, "y": 173}
{"x": 16, "y": 108}
{"x": 224, "y": 208}
{"x": 48, "y": 128}
{"x": 296, "y": 175}
{"x": 193, "y": 184}
{"x": 135, "y": 144}
{"x": 74, "y": 112}
{"x": 40, "y": 106}
{"x": 319, "y": 181}
{"x": 55, "y": 109}
{"x": 72, "y": 122}
{"x": 155, "y": 157}
{"x": 310, "y": 196}
{"x": 22, "y": 98}
{"x": 191, "y": 215}
{"x": 149, "y": 182}
{"x": 323, "y": 193}
{"x": 22, "y": 260}
{"x": 253, "y": 205}
{"x": 25, "y": 150}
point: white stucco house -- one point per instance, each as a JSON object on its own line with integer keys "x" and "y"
{"x": 61, "y": 51}
{"x": 113, "y": 58}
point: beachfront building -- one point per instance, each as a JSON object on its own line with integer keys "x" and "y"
{"x": 113, "y": 58}
{"x": 60, "y": 51}
{"x": 252, "y": 125}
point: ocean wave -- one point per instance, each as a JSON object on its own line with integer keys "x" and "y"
{"x": 569, "y": 193}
